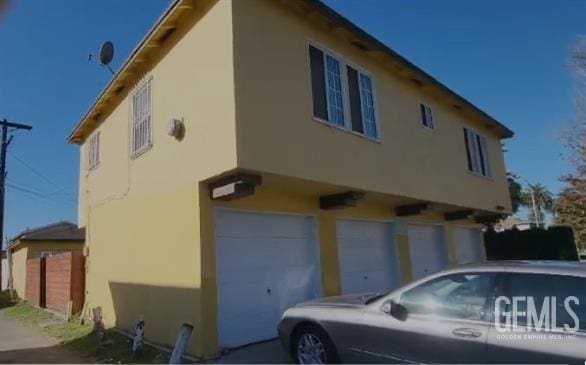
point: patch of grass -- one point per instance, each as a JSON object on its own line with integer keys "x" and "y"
{"x": 25, "y": 312}
{"x": 114, "y": 348}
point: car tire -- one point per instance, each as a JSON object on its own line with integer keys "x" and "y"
{"x": 311, "y": 338}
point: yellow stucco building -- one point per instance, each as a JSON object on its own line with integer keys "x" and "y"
{"x": 253, "y": 154}
{"x": 40, "y": 242}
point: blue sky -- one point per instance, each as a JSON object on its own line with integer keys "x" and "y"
{"x": 507, "y": 57}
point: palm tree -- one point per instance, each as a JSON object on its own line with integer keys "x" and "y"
{"x": 539, "y": 200}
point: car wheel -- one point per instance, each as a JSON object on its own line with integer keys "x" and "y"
{"x": 313, "y": 346}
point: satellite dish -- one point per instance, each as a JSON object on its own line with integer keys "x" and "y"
{"x": 106, "y": 53}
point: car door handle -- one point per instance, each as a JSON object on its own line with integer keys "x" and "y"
{"x": 466, "y": 332}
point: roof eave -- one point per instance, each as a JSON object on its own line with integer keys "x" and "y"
{"x": 504, "y": 132}
{"x": 73, "y": 136}
{"x": 335, "y": 16}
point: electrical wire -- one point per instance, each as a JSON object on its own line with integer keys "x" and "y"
{"x": 38, "y": 194}
{"x": 34, "y": 171}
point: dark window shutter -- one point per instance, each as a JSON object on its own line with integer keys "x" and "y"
{"x": 318, "y": 83}
{"x": 467, "y": 149}
{"x": 355, "y": 105}
{"x": 423, "y": 115}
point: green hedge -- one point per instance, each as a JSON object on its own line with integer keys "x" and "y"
{"x": 554, "y": 243}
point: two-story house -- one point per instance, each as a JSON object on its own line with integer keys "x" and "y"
{"x": 250, "y": 155}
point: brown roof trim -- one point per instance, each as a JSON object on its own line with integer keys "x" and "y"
{"x": 76, "y": 135}
{"x": 338, "y": 18}
{"x": 73, "y": 138}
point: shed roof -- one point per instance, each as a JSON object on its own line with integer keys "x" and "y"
{"x": 60, "y": 231}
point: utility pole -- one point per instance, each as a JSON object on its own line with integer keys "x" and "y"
{"x": 4, "y": 149}
{"x": 536, "y": 218}
{"x": 535, "y": 212}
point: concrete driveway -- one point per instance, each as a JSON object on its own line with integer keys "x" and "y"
{"x": 21, "y": 344}
{"x": 270, "y": 352}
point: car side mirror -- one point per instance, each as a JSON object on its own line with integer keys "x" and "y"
{"x": 395, "y": 310}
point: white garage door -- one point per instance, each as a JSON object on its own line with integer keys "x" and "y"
{"x": 368, "y": 256}
{"x": 427, "y": 249}
{"x": 469, "y": 246}
{"x": 266, "y": 263}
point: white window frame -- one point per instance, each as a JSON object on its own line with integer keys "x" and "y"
{"x": 141, "y": 124}
{"x": 331, "y": 88}
{"x": 347, "y": 126}
{"x": 361, "y": 92}
{"x": 479, "y": 154}
{"x": 428, "y": 117}
{"x": 93, "y": 151}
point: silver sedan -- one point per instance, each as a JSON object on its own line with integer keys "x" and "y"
{"x": 502, "y": 312}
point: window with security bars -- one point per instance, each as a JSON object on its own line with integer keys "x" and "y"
{"x": 94, "y": 151}
{"x": 142, "y": 118}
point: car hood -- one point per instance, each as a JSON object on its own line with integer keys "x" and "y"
{"x": 354, "y": 300}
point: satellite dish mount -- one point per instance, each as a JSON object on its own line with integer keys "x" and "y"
{"x": 106, "y": 55}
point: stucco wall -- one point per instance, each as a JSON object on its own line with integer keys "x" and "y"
{"x": 274, "y": 113}
{"x": 19, "y": 257}
{"x": 141, "y": 215}
{"x": 192, "y": 80}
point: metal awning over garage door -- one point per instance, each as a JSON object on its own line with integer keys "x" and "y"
{"x": 266, "y": 263}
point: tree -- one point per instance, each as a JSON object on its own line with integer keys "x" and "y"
{"x": 515, "y": 191}
{"x": 571, "y": 209}
{"x": 539, "y": 195}
{"x": 571, "y": 203}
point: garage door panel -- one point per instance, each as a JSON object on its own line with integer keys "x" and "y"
{"x": 231, "y": 224}
{"x": 367, "y": 254}
{"x": 265, "y": 263}
{"x": 427, "y": 249}
{"x": 469, "y": 245}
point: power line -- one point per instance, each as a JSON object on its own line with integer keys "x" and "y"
{"x": 39, "y": 195}
{"x": 58, "y": 192}
{"x": 35, "y": 171}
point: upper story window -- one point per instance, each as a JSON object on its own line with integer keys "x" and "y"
{"x": 94, "y": 151}
{"x": 142, "y": 118}
{"x": 426, "y": 116}
{"x": 477, "y": 153}
{"x": 334, "y": 90}
{"x": 342, "y": 95}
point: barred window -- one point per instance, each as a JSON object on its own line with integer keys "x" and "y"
{"x": 142, "y": 118}
{"x": 94, "y": 151}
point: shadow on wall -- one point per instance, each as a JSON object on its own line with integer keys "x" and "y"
{"x": 164, "y": 310}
